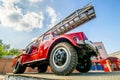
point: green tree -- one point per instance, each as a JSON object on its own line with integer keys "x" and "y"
{"x": 1, "y": 42}
{"x": 14, "y": 52}
{"x": 5, "y": 50}
{"x": 1, "y": 50}
{"x": 6, "y": 47}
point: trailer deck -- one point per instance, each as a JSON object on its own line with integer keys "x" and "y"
{"x": 74, "y": 76}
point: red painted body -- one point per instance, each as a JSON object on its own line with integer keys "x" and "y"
{"x": 42, "y": 51}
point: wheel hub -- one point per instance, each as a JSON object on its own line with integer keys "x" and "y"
{"x": 60, "y": 57}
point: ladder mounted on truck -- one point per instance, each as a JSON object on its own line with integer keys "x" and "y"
{"x": 74, "y": 20}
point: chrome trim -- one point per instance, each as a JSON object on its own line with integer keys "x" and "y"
{"x": 89, "y": 44}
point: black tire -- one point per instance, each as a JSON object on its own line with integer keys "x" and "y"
{"x": 42, "y": 68}
{"x": 63, "y": 59}
{"x": 84, "y": 65}
{"x": 18, "y": 68}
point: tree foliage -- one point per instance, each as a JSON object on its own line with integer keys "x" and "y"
{"x": 14, "y": 51}
{"x": 5, "y": 49}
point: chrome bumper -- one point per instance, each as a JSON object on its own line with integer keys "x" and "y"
{"x": 88, "y": 44}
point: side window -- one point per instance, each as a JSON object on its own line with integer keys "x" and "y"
{"x": 54, "y": 34}
{"x": 46, "y": 37}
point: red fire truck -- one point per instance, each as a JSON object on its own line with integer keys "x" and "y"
{"x": 63, "y": 52}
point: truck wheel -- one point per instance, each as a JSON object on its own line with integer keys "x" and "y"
{"x": 42, "y": 68}
{"x": 18, "y": 68}
{"x": 63, "y": 59}
{"x": 84, "y": 65}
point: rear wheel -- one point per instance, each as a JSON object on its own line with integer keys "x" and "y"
{"x": 18, "y": 68}
{"x": 42, "y": 68}
{"x": 63, "y": 59}
{"x": 84, "y": 65}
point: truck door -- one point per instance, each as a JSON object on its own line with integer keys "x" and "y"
{"x": 43, "y": 48}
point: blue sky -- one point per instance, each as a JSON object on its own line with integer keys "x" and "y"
{"x": 23, "y": 20}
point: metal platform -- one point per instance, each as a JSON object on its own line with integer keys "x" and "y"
{"x": 73, "y": 76}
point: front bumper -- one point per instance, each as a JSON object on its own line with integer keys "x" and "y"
{"x": 14, "y": 61}
{"x": 88, "y": 44}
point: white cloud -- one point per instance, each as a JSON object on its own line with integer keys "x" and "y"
{"x": 9, "y": 1}
{"x": 32, "y": 20}
{"x": 25, "y": 18}
{"x": 34, "y": 1}
{"x": 12, "y": 16}
{"x": 9, "y": 15}
{"x": 51, "y": 12}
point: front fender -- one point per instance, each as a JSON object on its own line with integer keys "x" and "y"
{"x": 66, "y": 38}
{"x": 58, "y": 40}
{"x": 15, "y": 60}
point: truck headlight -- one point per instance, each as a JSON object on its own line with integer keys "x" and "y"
{"x": 76, "y": 39}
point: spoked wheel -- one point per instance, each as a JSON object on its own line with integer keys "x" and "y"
{"x": 18, "y": 68}
{"x": 63, "y": 59}
{"x": 84, "y": 65}
{"x": 60, "y": 57}
{"x": 42, "y": 68}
